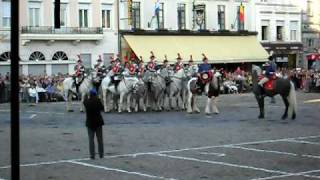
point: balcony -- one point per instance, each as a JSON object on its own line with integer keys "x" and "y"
{"x": 50, "y": 34}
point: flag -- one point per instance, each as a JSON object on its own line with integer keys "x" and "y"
{"x": 129, "y": 12}
{"x": 157, "y": 7}
{"x": 241, "y": 13}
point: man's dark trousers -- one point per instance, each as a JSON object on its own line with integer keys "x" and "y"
{"x": 91, "y": 133}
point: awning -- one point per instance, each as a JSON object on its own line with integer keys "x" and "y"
{"x": 313, "y": 56}
{"x": 218, "y": 49}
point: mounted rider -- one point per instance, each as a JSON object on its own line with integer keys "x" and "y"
{"x": 140, "y": 68}
{"x": 151, "y": 66}
{"x": 78, "y": 73}
{"x": 116, "y": 70}
{"x": 165, "y": 68}
{"x": 204, "y": 73}
{"x": 100, "y": 68}
{"x": 179, "y": 64}
{"x": 192, "y": 68}
{"x": 269, "y": 72}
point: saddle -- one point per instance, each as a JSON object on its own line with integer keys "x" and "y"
{"x": 203, "y": 79}
{"x": 115, "y": 80}
{"x": 269, "y": 84}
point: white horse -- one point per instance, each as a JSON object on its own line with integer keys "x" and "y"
{"x": 211, "y": 90}
{"x": 139, "y": 96}
{"x": 105, "y": 83}
{"x": 125, "y": 89}
{"x": 156, "y": 86}
{"x": 69, "y": 89}
{"x": 176, "y": 89}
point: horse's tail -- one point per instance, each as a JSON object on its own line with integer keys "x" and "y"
{"x": 292, "y": 101}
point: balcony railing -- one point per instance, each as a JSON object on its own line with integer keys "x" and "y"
{"x": 62, "y": 30}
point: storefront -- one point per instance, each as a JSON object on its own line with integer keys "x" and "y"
{"x": 287, "y": 55}
{"x": 219, "y": 48}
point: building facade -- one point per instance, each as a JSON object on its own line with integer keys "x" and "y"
{"x": 311, "y": 33}
{"x": 278, "y": 24}
{"x": 88, "y": 28}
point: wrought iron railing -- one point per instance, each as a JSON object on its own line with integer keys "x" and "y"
{"x": 62, "y": 30}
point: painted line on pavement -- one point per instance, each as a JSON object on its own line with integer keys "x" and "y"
{"x": 37, "y": 112}
{"x": 311, "y": 101}
{"x": 302, "y": 142}
{"x": 214, "y": 154}
{"x": 221, "y": 163}
{"x": 262, "y": 150}
{"x": 305, "y": 174}
{"x": 165, "y": 151}
{"x": 120, "y": 170}
{"x": 32, "y": 116}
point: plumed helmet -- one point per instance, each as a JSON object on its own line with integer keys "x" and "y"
{"x": 179, "y": 56}
{"x": 191, "y": 59}
{"x": 204, "y": 57}
{"x": 152, "y": 55}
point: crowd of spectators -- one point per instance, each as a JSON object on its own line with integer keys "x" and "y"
{"x": 43, "y": 88}
{"x": 34, "y": 89}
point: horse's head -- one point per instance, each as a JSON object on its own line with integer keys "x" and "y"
{"x": 181, "y": 73}
{"x": 256, "y": 69}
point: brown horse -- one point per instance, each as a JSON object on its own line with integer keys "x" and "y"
{"x": 281, "y": 86}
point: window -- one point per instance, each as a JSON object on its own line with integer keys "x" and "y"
{"x": 60, "y": 55}
{"x": 181, "y": 16}
{"x": 200, "y": 16}
{"x": 6, "y": 16}
{"x": 83, "y": 17}
{"x": 264, "y": 30}
{"x": 221, "y": 17}
{"x": 63, "y": 15}
{"x": 264, "y": 33}
{"x": 106, "y": 19}
{"x": 280, "y": 32}
{"x": 37, "y": 56}
{"x": 160, "y": 16}
{"x": 293, "y": 30}
{"x": 136, "y": 15}
{"x": 34, "y": 14}
{"x": 310, "y": 42}
{"x": 6, "y": 56}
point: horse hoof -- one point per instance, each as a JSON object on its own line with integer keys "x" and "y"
{"x": 216, "y": 112}
{"x": 208, "y": 114}
{"x": 284, "y": 117}
{"x": 260, "y": 117}
{"x": 70, "y": 110}
{"x": 190, "y": 112}
{"x": 293, "y": 116}
{"x": 81, "y": 111}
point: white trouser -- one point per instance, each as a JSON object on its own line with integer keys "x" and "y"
{"x": 263, "y": 80}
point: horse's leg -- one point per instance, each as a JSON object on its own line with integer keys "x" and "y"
{"x": 214, "y": 105}
{"x": 195, "y": 104}
{"x": 104, "y": 99}
{"x": 189, "y": 102}
{"x": 208, "y": 106}
{"x": 82, "y": 100}
{"x": 260, "y": 101}
{"x": 286, "y": 103}
{"x": 120, "y": 102}
{"x": 129, "y": 102}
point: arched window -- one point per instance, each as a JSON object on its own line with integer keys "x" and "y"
{"x": 6, "y": 56}
{"x": 37, "y": 56}
{"x": 60, "y": 55}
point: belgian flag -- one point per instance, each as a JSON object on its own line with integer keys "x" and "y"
{"x": 241, "y": 13}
